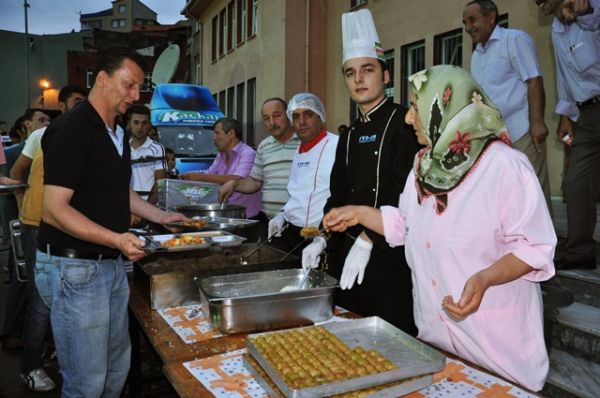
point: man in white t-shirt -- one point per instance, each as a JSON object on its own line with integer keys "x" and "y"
{"x": 147, "y": 156}
{"x": 68, "y": 97}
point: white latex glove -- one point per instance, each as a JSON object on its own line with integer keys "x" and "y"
{"x": 356, "y": 263}
{"x": 311, "y": 255}
{"x": 276, "y": 225}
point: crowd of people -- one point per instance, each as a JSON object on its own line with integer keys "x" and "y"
{"x": 398, "y": 198}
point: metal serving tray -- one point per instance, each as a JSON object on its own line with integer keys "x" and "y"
{"x": 216, "y": 223}
{"x": 411, "y": 357}
{"x": 230, "y": 223}
{"x": 392, "y": 390}
{"x": 254, "y": 301}
{"x": 218, "y": 238}
{"x": 9, "y": 188}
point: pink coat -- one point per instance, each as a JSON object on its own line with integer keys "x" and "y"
{"x": 498, "y": 209}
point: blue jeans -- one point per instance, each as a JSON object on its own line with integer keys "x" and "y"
{"x": 88, "y": 311}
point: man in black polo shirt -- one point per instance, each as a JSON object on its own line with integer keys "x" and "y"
{"x": 84, "y": 236}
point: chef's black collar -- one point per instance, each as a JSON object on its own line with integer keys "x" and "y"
{"x": 367, "y": 116}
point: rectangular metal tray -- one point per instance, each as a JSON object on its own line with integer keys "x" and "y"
{"x": 255, "y": 301}
{"x": 167, "y": 278}
{"x": 9, "y": 188}
{"x": 211, "y": 238}
{"x": 392, "y": 390}
{"x": 411, "y": 357}
{"x": 229, "y": 223}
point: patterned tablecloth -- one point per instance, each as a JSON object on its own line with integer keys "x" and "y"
{"x": 192, "y": 326}
{"x": 190, "y": 323}
{"x": 225, "y": 376}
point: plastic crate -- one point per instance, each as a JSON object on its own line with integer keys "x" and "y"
{"x": 174, "y": 193}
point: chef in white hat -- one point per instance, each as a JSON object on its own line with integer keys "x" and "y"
{"x": 372, "y": 162}
{"x": 308, "y": 184}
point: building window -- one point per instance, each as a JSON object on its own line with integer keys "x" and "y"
{"x": 240, "y": 21}
{"x": 230, "y": 24}
{"x": 89, "y": 75}
{"x": 88, "y": 25}
{"x": 239, "y": 106}
{"x": 198, "y": 66}
{"x": 222, "y": 100}
{"x": 215, "y": 28}
{"x": 388, "y": 57}
{"x": 252, "y": 23}
{"x": 197, "y": 26}
{"x": 118, "y": 23}
{"x": 503, "y": 21}
{"x": 413, "y": 60}
{"x": 357, "y": 3}
{"x": 230, "y": 101}
{"x": 222, "y": 31}
{"x": 122, "y": 9}
{"x": 250, "y": 111}
{"x": 447, "y": 48}
{"x": 244, "y": 19}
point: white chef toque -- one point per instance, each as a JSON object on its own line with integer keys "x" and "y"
{"x": 359, "y": 36}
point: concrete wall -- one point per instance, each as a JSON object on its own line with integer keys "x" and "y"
{"x": 282, "y": 57}
{"x": 48, "y": 60}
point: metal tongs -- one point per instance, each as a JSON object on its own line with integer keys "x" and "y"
{"x": 151, "y": 245}
{"x": 322, "y": 232}
{"x": 244, "y": 258}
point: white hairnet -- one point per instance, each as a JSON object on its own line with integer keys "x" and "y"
{"x": 306, "y": 101}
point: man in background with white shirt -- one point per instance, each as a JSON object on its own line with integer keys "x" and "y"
{"x": 505, "y": 65}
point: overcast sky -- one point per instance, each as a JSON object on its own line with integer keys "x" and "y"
{"x": 60, "y": 16}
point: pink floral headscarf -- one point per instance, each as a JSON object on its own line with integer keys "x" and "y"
{"x": 460, "y": 121}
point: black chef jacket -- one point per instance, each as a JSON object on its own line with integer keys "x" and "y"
{"x": 372, "y": 162}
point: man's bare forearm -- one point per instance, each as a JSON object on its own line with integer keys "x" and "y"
{"x": 248, "y": 185}
{"x": 536, "y": 99}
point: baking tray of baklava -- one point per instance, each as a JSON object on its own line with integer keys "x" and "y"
{"x": 340, "y": 357}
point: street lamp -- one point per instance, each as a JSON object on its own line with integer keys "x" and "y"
{"x": 45, "y": 86}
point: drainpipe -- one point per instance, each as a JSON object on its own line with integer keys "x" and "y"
{"x": 307, "y": 45}
{"x": 28, "y": 83}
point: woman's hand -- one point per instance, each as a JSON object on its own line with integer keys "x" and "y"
{"x": 469, "y": 300}
{"x": 505, "y": 270}
{"x": 340, "y": 218}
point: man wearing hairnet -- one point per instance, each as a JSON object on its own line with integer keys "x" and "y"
{"x": 372, "y": 162}
{"x": 308, "y": 185}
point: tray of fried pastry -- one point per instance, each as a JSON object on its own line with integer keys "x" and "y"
{"x": 193, "y": 224}
{"x": 192, "y": 241}
{"x": 390, "y": 390}
{"x": 340, "y": 357}
{"x": 10, "y": 188}
{"x": 213, "y": 223}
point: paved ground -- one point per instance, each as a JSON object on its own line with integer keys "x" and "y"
{"x": 10, "y": 385}
{"x": 154, "y": 384}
